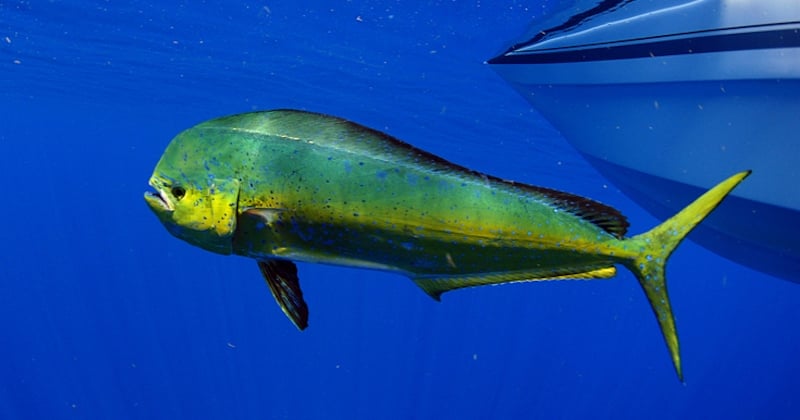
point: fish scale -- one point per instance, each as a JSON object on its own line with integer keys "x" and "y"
{"x": 283, "y": 186}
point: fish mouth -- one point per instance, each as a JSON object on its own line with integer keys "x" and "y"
{"x": 158, "y": 199}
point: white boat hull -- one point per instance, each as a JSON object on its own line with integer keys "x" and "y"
{"x": 666, "y": 116}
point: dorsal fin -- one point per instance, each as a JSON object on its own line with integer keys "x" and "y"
{"x": 601, "y": 215}
{"x": 337, "y": 132}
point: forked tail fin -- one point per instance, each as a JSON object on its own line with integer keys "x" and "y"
{"x": 657, "y": 245}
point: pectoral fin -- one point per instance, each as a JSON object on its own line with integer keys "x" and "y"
{"x": 266, "y": 216}
{"x": 281, "y": 277}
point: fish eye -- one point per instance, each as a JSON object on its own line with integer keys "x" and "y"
{"x": 178, "y": 192}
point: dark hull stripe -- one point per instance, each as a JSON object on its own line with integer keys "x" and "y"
{"x": 769, "y": 39}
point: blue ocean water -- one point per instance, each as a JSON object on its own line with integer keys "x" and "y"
{"x": 104, "y": 315}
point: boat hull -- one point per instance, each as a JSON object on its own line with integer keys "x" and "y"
{"x": 664, "y": 116}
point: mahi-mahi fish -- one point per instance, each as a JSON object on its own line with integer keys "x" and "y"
{"x": 284, "y": 185}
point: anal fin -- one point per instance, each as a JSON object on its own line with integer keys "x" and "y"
{"x": 434, "y": 286}
{"x": 281, "y": 277}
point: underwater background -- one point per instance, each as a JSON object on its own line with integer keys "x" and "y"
{"x": 104, "y": 315}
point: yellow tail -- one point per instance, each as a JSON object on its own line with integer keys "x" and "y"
{"x": 657, "y": 245}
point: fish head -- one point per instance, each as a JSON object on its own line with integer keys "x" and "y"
{"x": 194, "y": 196}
